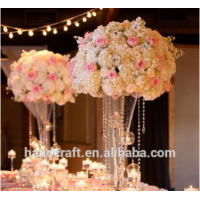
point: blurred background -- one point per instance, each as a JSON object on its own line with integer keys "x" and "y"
{"x": 172, "y": 121}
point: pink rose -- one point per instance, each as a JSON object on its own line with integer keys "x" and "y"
{"x": 71, "y": 68}
{"x": 32, "y": 75}
{"x": 80, "y": 44}
{"x": 19, "y": 67}
{"x": 140, "y": 64}
{"x": 153, "y": 41}
{"x": 46, "y": 97}
{"x": 53, "y": 60}
{"x": 87, "y": 35}
{"x": 168, "y": 86}
{"x": 161, "y": 57}
{"x": 132, "y": 41}
{"x": 36, "y": 88}
{"x": 65, "y": 62}
{"x": 160, "y": 66}
{"x": 101, "y": 41}
{"x": 91, "y": 67}
{"x": 155, "y": 82}
{"x": 112, "y": 74}
{"x": 52, "y": 77}
{"x": 68, "y": 91}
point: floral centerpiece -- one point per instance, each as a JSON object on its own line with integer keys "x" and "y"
{"x": 124, "y": 58}
{"x": 41, "y": 76}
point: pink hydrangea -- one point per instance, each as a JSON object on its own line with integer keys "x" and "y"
{"x": 68, "y": 92}
{"x": 53, "y": 60}
{"x": 52, "y": 77}
{"x": 101, "y": 41}
{"x": 153, "y": 41}
{"x": 112, "y": 74}
{"x": 132, "y": 41}
{"x": 161, "y": 57}
{"x": 160, "y": 66}
{"x": 91, "y": 67}
{"x": 155, "y": 81}
{"x": 141, "y": 64}
{"x": 31, "y": 75}
{"x": 36, "y": 88}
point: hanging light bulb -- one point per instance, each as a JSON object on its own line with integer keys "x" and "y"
{"x": 19, "y": 31}
{"x": 94, "y": 14}
{"x": 65, "y": 28}
{"x": 44, "y": 33}
{"x": 69, "y": 22}
{"x": 101, "y": 8}
{"x": 84, "y": 19}
{"x": 77, "y": 24}
{"x": 5, "y": 29}
{"x": 10, "y": 35}
{"x": 30, "y": 33}
{"x": 48, "y": 28}
{"x": 89, "y": 15}
{"x": 55, "y": 31}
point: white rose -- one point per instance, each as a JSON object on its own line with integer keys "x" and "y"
{"x": 103, "y": 72}
{"x": 130, "y": 88}
{"x": 150, "y": 73}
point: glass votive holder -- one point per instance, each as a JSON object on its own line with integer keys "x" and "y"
{"x": 134, "y": 176}
{"x": 81, "y": 185}
{"x": 191, "y": 188}
{"x": 63, "y": 162}
{"x": 82, "y": 175}
{"x": 86, "y": 164}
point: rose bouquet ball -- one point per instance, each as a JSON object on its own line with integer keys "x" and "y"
{"x": 123, "y": 59}
{"x": 41, "y": 76}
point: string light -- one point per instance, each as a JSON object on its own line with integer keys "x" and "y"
{"x": 19, "y": 31}
{"x": 55, "y": 31}
{"x": 94, "y": 14}
{"x": 84, "y": 19}
{"x": 69, "y": 22}
{"x": 10, "y": 35}
{"x": 77, "y": 24}
{"x": 5, "y": 29}
{"x": 89, "y": 14}
{"x": 48, "y": 28}
{"x": 65, "y": 28}
{"x": 30, "y": 33}
{"x": 44, "y": 33}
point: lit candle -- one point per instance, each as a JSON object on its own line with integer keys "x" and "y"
{"x": 11, "y": 154}
{"x": 27, "y": 160}
{"x": 191, "y": 188}
{"x": 63, "y": 162}
{"x": 44, "y": 185}
{"x": 61, "y": 167}
{"x": 82, "y": 175}
{"x": 86, "y": 162}
{"x": 53, "y": 166}
{"x": 45, "y": 163}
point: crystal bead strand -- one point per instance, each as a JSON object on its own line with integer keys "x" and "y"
{"x": 30, "y": 129}
{"x": 45, "y": 130}
{"x": 54, "y": 123}
{"x": 143, "y": 116}
{"x": 139, "y": 141}
{"x": 104, "y": 130}
{"x": 109, "y": 132}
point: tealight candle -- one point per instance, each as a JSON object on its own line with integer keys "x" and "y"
{"x": 27, "y": 160}
{"x": 60, "y": 167}
{"x": 45, "y": 163}
{"x": 191, "y": 188}
{"x": 64, "y": 162}
{"x": 53, "y": 166}
{"x": 81, "y": 185}
{"x": 82, "y": 175}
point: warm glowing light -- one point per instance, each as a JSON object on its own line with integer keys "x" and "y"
{"x": 77, "y": 24}
{"x": 84, "y": 19}
{"x": 55, "y": 31}
{"x": 94, "y": 14}
{"x": 69, "y": 22}
{"x": 48, "y": 28}
{"x": 89, "y": 15}
{"x": 10, "y": 35}
{"x": 65, "y": 28}
{"x": 44, "y": 32}
{"x": 5, "y": 29}
{"x": 30, "y": 33}
{"x": 19, "y": 31}
{"x": 101, "y": 8}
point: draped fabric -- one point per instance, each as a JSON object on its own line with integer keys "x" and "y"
{"x": 154, "y": 171}
{"x": 13, "y": 53}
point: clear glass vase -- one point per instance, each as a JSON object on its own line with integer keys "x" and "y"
{"x": 117, "y": 118}
{"x": 43, "y": 113}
